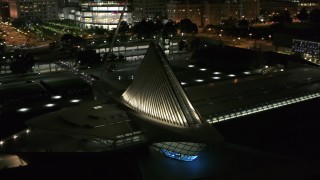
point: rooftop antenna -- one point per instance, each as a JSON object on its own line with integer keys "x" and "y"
{"x": 115, "y": 35}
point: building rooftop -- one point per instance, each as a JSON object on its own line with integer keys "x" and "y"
{"x": 260, "y": 98}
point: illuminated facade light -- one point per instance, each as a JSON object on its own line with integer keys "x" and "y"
{"x": 97, "y": 107}
{"x": 75, "y": 100}
{"x": 1, "y": 143}
{"x": 23, "y": 109}
{"x": 262, "y": 107}
{"x": 15, "y": 136}
{"x": 56, "y": 97}
{"x": 231, "y": 75}
{"x": 216, "y": 77}
{"x": 216, "y": 73}
{"x": 28, "y": 131}
{"x": 203, "y": 69}
{"x": 199, "y": 80}
{"x": 49, "y": 105}
{"x": 191, "y": 66}
{"x": 246, "y": 72}
{"x": 183, "y": 83}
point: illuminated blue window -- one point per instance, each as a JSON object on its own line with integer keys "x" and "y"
{"x": 178, "y": 156}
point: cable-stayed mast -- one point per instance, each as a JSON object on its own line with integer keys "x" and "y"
{"x": 115, "y": 33}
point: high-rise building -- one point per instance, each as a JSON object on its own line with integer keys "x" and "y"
{"x": 308, "y": 4}
{"x": 249, "y": 9}
{"x": 149, "y": 9}
{"x": 98, "y": 13}
{"x": 5, "y": 12}
{"x": 183, "y": 10}
{"x": 36, "y": 9}
{"x": 212, "y": 12}
{"x": 273, "y": 7}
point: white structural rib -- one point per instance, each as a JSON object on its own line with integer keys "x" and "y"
{"x": 157, "y": 93}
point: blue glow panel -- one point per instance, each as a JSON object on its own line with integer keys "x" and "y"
{"x": 178, "y": 156}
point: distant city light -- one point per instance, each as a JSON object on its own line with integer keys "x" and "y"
{"x": 203, "y": 69}
{"x": 49, "y": 105}
{"x": 199, "y": 80}
{"x": 183, "y": 83}
{"x": 246, "y": 72}
{"x": 97, "y": 107}
{"x": 56, "y": 97}
{"x": 216, "y": 77}
{"x": 1, "y": 142}
{"x": 217, "y": 73}
{"x": 15, "y": 136}
{"x": 75, "y": 100}
{"x": 23, "y": 109}
{"x": 28, "y": 130}
{"x": 190, "y": 66}
{"x": 231, "y": 75}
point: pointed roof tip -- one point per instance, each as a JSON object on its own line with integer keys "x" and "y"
{"x": 157, "y": 93}
{"x": 155, "y": 46}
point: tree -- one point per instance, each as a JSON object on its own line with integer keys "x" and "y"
{"x": 243, "y": 23}
{"x": 100, "y": 31}
{"x": 187, "y": 26}
{"x": 124, "y": 27}
{"x": 182, "y": 45}
{"x": 78, "y": 41}
{"x": 283, "y": 17}
{"x": 169, "y": 29}
{"x": 23, "y": 62}
{"x": 303, "y": 15}
{"x": 19, "y": 22}
{"x": 2, "y": 46}
{"x": 159, "y": 26}
{"x": 113, "y": 58}
{"x": 315, "y": 16}
{"x": 87, "y": 57}
{"x": 145, "y": 28}
{"x": 67, "y": 40}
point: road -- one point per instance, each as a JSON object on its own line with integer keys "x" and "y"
{"x": 14, "y": 36}
{"x": 247, "y": 43}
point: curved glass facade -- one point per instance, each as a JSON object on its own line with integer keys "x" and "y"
{"x": 103, "y": 14}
